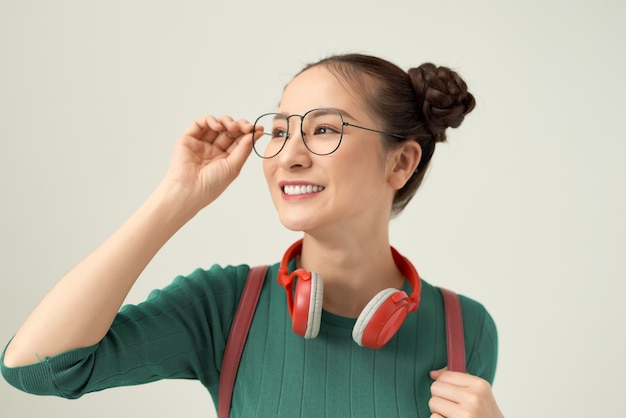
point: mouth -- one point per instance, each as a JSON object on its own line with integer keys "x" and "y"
{"x": 301, "y": 189}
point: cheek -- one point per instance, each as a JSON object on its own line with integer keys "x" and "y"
{"x": 370, "y": 162}
{"x": 267, "y": 169}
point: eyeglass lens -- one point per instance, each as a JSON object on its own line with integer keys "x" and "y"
{"x": 321, "y": 131}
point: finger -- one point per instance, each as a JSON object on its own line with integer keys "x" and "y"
{"x": 229, "y": 124}
{"x": 258, "y": 133}
{"x": 240, "y": 151}
{"x": 218, "y": 131}
{"x": 235, "y": 144}
{"x": 441, "y": 407}
{"x": 233, "y": 133}
{"x": 470, "y": 393}
{"x": 434, "y": 374}
{"x": 205, "y": 128}
{"x": 447, "y": 390}
{"x": 454, "y": 378}
{"x": 215, "y": 124}
{"x": 235, "y": 129}
{"x": 223, "y": 141}
{"x": 244, "y": 125}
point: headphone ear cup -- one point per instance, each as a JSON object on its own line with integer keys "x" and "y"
{"x": 307, "y": 313}
{"x": 381, "y": 318}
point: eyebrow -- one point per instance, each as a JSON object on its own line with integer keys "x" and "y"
{"x": 343, "y": 112}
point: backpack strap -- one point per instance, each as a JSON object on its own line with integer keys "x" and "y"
{"x": 237, "y": 337}
{"x": 455, "y": 338}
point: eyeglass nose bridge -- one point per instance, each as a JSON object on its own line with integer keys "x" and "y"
{"x": 289, "y": 131}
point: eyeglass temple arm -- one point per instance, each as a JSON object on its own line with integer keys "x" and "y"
{"x": 373, "y": 130}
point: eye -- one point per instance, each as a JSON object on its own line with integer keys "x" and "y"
{"x": 325, "y": 129}
{"x": 278, "y": 133}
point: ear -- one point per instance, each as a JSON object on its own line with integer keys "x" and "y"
{"x": 404, "y": 163}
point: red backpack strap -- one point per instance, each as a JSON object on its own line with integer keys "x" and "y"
{"x": 455, "y": 338}
{"x": 237, "y": 337}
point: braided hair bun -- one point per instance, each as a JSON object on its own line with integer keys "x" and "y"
{"x": 443, "y": 97}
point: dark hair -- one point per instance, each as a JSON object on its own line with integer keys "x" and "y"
{"x": 419, "y": 104}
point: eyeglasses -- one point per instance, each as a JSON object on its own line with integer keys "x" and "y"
{"x": 321, "y": 131}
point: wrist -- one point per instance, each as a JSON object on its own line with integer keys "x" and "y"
{"x": 172, "y": 204}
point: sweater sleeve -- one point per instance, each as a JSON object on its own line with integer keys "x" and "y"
{"x": 179, "y": 332}
{"x": 481, "y": 340}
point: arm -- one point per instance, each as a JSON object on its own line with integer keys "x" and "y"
{"x": 178, "y": 332}
{"x": 80, "y": 309}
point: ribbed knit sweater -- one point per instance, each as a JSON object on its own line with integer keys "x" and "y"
{"x": 180, "y": 333}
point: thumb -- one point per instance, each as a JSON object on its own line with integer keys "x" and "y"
{"x": 435, "y": 374}
{"x": 240, "y": 151}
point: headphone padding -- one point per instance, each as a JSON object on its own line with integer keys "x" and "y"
{"x": 368, "y": 312}
{"x": 315, "y": 306}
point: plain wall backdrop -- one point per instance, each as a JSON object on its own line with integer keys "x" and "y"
{"x": 523, "y": 209}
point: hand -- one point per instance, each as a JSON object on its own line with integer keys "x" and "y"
{"x": 208, "y": 157}
{"x": 460, "y": 395}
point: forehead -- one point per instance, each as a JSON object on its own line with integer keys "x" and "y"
{"x": 315, "y": 88}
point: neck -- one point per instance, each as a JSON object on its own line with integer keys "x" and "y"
{"x": 354, "y": 269}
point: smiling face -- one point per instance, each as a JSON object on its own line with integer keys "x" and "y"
{"x": 347, "y": 189}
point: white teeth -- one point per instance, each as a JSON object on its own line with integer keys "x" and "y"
{"x": 302, "y": 189}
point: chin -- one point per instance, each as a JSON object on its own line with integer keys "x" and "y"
{"x": 296, "y": 225}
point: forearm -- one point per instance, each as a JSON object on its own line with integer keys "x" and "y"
{"x": 80, "y": 308}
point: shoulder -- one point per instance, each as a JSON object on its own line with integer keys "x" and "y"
{"x": 481, "y": 336}
{"x": 216, "y": 289}
{"x": 481, "y": 339}
{"x": 217, "y": 280}
{"x": 475, "y": 315}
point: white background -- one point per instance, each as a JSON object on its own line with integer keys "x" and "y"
{"x": 522, "y": 210}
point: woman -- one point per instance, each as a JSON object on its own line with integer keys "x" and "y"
{"x": 346, "y": 151}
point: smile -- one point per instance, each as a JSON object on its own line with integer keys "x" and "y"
{"x": 301, "y": 189}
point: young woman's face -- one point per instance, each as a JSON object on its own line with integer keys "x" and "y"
{"x": 349, "y": 187}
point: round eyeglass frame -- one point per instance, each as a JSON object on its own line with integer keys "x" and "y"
{"x": 287, "y": 117}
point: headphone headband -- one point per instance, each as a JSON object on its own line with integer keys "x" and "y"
{"x": 286, "y": 280}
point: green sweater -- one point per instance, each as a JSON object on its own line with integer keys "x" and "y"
{"x": 180, "y": 333}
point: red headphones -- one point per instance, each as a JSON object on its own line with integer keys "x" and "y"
{"x": 379, "y": 321}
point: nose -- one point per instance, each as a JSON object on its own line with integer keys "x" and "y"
{"x": 294, "y": 154}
